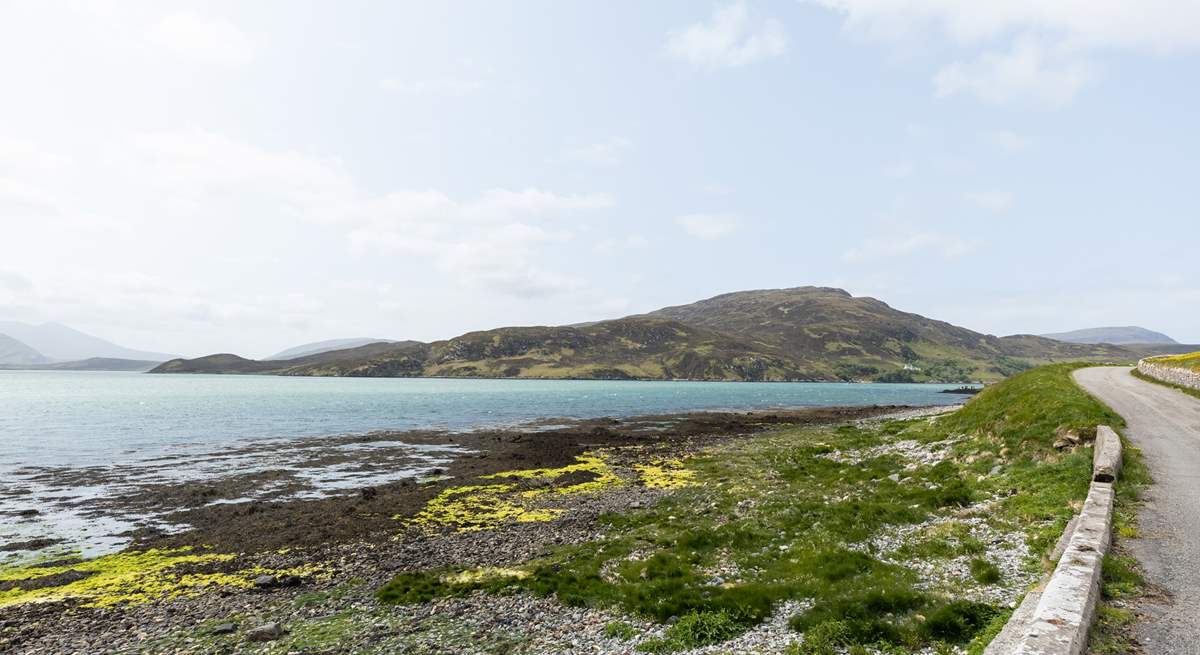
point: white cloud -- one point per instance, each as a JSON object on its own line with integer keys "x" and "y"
{"x": 444, "y": 86}
{"x": 614, "y": 245}
{"x": 14, "y": 281}
{"x": 717, "y": 189}
{"x": 731, "y": 38}
{"x": 899, "y": 170}
{"x": 195, "y": 163}
{"x": 1045, "y": 310}
{"x": 1150, "y": 25}
{"x": 994, "y": 201}
{"x": 22, "y": 154}
{"x": 205, "y": 186}
{"x": 201, "y": 39}
{"x": 1009, "y": 142}
{"x": 1028, "y": 72}
{"x": 83, "y": 295}
{"x": 19, "y": 199}
{"x": 608, "y": 152}
{"x": 946, "y": 245}
{"x": 709, "y": 226}
{"x": 490, "y": 242}
{"x": 1049, "y": 43}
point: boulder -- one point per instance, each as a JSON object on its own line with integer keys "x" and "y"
{"x": 1106, "y": 455}
{"x": 265, "y": 632}
{"x": 275, "y": 581}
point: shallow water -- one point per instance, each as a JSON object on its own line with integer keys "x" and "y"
{"x": 79, "y": 418}
{"x": 59, "y": 428}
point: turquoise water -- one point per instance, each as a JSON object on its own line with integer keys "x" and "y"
{"x": 85, "y": 418}
{"x": 80, "y": 448}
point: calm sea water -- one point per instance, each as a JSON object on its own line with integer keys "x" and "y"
{"x": 73, "y": 445}
{"x": 85, "y": 418}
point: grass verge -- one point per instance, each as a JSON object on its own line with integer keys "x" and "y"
{"x": 1122, "y": 584}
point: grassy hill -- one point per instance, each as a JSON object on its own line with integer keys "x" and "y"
{"x": 849, "y": 337}
{"x": 807, "y": 333}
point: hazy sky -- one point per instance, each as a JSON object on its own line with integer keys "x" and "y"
{"x": 245, "y": 176}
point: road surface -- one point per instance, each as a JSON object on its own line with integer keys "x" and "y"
{"x": 1165, "y": 424}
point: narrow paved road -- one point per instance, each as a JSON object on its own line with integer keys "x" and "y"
{"x": 1165, "y": 424}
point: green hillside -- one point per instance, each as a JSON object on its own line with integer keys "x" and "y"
{"x": 807, "y": 333}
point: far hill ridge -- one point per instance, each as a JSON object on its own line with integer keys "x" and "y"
{"x": 59, "y": 342}
{"x": 1131, "y": 334}
{"x": 804, "y": 333}
{"x": 318, "y": 347}
{"x": 14, "y": 352}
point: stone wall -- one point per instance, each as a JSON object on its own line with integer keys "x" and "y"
{"x": 1172, "y": 374}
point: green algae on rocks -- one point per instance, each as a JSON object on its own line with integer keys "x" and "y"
{"x": 129, "y": 577}
{"x": 471, "y": 508}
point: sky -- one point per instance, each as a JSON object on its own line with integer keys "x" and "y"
{"x": 243, "y": 177}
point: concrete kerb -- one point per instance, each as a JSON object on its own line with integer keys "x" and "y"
{"x": 1055, "y": 618}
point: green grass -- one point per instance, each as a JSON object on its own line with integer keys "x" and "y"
{"x": 696, "y": 629}
{"x": 620, "y": 630}
{"x": 329, "y": 626}
{"x": 989, "y": 632}
{"x": 957, "y": 621}
{"x": 824, "y": 639}
{"x": 1121, "y": 582}
{"x": 1024, "y": 415}
{"x": 1178, "y": 387}
{"x": 985, "y": 571}
{"x": 1190, "y": 361}
{"x": 778, "y": 517}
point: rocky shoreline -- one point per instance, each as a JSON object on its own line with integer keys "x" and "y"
{"x": 342, "y": 547}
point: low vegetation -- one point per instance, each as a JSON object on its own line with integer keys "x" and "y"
{"x": 895, "y": 535}
{"x": 1189, "y": 361}
{"x": 1122, "y": 583}
{"x": 130, "y": 577}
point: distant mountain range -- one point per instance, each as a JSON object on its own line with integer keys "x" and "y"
{"x": 1116, "y": 335}
{"x": 90, "y": 364}
{"x": 59, "y": 342}
{"x": 806, "y": 333}
{"x": 56, "y": 346}
{"x": 15, "y": 352}
{"x": 325, "y": 346}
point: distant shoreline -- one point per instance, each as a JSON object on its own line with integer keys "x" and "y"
{"x": 553, "y": 379}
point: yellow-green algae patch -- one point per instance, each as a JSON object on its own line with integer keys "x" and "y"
{"x": 665, "y": 474}
{"x": 130, "y": 577}
{"x": 479, "y": 507}
{"x": 484, "y": 574}
{"x": 484, "y": 507}
{"x": 593, "y": 463}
